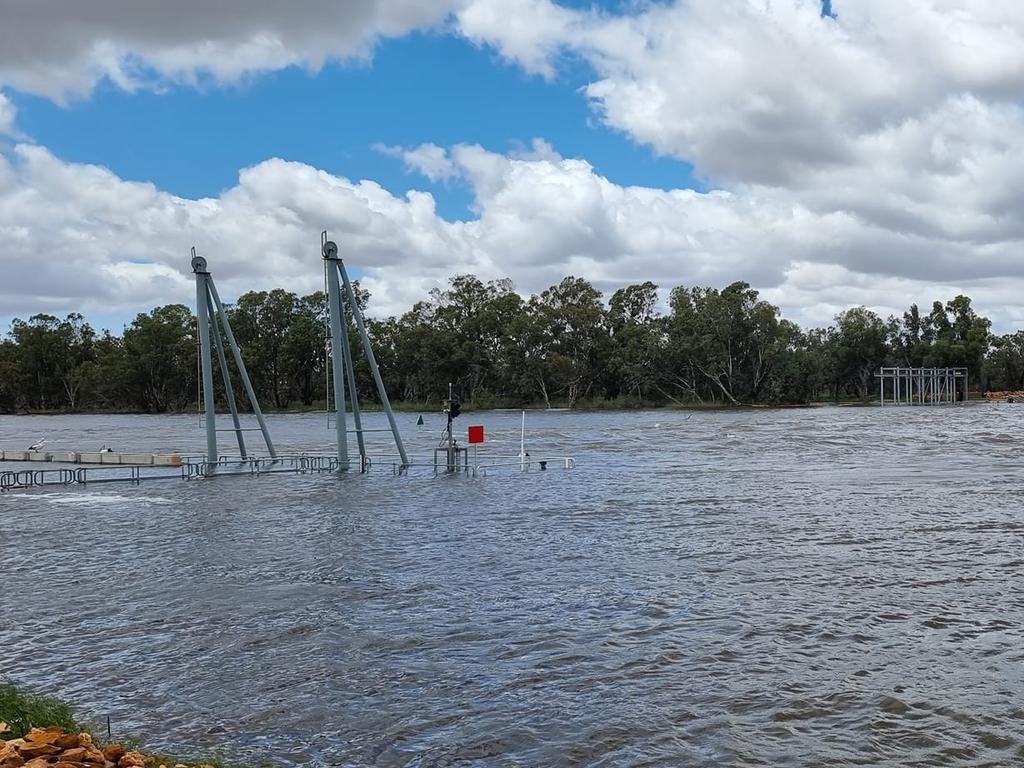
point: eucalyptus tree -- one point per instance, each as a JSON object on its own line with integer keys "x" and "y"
{"x": 161, "y": 358}
{"x": 729, "y": 338}
{"x": 260, "y": 321}
{"x": 1004, "y": 367}
{"x": 51, "y": 353}
{"x": 560, "y": 346}
{"x": 304, "y": 350}
{"x": 635, "y": 347}
{"x": 472, "y": 318}
{"x": 10, "y": 374}
{"x": 104, "y": 375}
{"x": 859, "y": 344}
{"x": 573, "y": 322}
{"x": 951, "y": 334}
{"x": 965, "y": 336}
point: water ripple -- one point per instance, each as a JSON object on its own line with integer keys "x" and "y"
{"x": 802, "y": 587}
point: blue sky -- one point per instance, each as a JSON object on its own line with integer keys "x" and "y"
{"x": 425, "y": 87}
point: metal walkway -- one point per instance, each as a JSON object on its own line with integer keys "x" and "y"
{"x": 189, "y": 469}
{"x": 196, "y": 468}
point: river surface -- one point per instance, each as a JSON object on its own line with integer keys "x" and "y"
{"x": 831, "y": 586}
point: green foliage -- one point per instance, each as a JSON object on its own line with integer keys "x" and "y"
{"x": 729, "y": 341}
{"x": 859, "y": 347}
{"x": 564, "y": 346}
{"x": 50, "y": 358}
{"x": 160, "y": 359}
{"x": 24, "y": 711}
{"x": 1004, "y": 366}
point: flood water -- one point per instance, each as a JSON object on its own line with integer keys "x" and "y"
{"x": 832, "y": 586}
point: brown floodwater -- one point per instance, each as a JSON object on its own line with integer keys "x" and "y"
{"x": 832, "y": 586}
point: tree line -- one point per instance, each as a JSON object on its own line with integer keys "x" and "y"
{"x": 565, "y": 346}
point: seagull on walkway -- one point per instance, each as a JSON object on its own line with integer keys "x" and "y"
{"x": 37, "y": 444}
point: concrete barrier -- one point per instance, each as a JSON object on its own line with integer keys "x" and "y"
{"x": 95, "y": 457}
{"x": 135, "y": 458}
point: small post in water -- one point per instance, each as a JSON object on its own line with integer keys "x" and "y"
{"x": 522, "y": 444}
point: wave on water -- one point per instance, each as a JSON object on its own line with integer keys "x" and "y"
{"x": 91, "y": 499}
{"x": 799, "y": 588}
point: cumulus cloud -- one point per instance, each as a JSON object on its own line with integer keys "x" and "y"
{"x": 428, "y": 159}
{"x": 78, "y": 238}
{"x": 870, "y": 157}
{"x": 759, "y": 91}
{"x": 61, "y": 49}
{"x": 7, "y": 115}
{"x": 897, "y": 127}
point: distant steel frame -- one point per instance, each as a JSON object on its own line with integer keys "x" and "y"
{"x": 922, "y": 386}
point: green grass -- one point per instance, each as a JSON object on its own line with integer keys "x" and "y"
{"x": 24, "y": 711}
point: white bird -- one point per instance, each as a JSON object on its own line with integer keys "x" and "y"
{"x": 37, "y": 444}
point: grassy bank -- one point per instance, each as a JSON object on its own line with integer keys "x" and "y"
{"x": 23, "y": 711}
{"x": 33, "y": 726}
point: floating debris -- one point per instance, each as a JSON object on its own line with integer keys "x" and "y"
{"x": 1010, "y": 396}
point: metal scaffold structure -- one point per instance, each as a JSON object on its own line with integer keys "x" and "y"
{"x": 344, "y": 318}
{"x": 922, "y": 386}
{"x": 214, "y": 332}
{"x": 341, "y": 304}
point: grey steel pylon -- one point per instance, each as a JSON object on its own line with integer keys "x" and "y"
{"x": 341, "y": 357}
{"x": 210, "y": 316}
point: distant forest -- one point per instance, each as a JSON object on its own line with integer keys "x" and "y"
{"x": 566, "y": 346}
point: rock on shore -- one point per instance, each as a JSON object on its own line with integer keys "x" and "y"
{"x": 46, "y": 747}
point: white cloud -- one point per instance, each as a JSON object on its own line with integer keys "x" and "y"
{"x": 757, "y": 91}
{"x": 62, "y": 49}
{"x": 530, "y": 32}
{"x": 78, "y": 238}
{"x": 7, "y": 115}
{"x": 897, "y": 127}
{"x": 868, "y": 158}
{"x": 428, "y": 159}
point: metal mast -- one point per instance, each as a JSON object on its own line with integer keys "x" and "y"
{"x": 210, "y": 316}
{"x": 337, "y": 317}
{"x": 341, "y": 357}
{"x": 203, "y": 320}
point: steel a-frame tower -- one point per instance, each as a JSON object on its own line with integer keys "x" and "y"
{"x": 341, "y": 301}
{"x": 212, "y": 319}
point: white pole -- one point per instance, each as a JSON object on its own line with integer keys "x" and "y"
{"x": 522, "y": 445}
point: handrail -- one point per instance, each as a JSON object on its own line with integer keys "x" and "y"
{"x": 195, "y": 468}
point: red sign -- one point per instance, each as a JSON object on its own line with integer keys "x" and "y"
{"x": 476, "y": 433}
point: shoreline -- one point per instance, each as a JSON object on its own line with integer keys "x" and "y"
{"x": 36, "y": 727}
{"x": 589, "y": 407}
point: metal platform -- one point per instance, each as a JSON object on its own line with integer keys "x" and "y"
{"x": 197, "y": 468}
{"x": 94, "y": 457}
{"x": 186, "y": 469}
